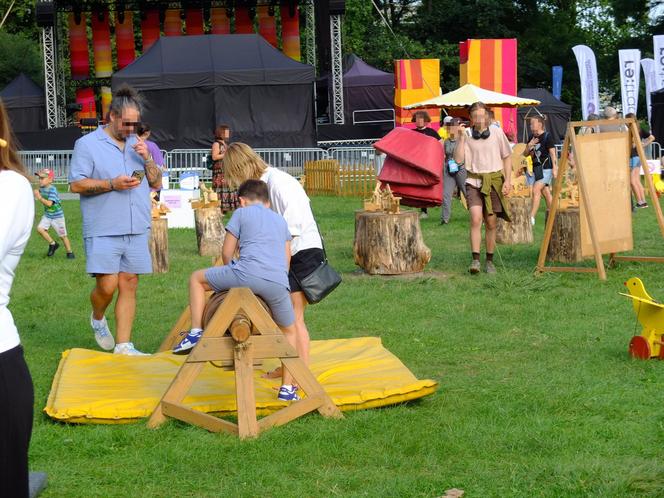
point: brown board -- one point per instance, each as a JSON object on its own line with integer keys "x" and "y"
{"x": 604, "y": 160}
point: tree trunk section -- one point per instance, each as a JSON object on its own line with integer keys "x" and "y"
{"x": 159, "y": 245}
{"x": 519, "y": 230}
{"x": 389, "y": 244}
{"x": 210, "y": 231}
{"x": 565, "y": 244}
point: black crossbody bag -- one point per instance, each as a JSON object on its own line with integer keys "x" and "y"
{"x": 320, "y": 282}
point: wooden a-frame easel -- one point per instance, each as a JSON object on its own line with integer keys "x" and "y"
{"x": 570, "y": 140}
{"x": 254, "y": 336}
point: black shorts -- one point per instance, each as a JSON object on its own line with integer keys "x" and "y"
{"x": 302, "y": 264}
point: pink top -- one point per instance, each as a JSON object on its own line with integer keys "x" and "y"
{"x": 486, "y": 155}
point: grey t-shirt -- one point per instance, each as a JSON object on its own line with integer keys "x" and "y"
{"x": 262, "y": 236}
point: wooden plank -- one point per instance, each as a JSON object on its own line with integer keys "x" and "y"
{"x": 285, "y": 415}
{"x": 222, "y": 348}
{"x": 244, "y": 391}
{"x": 570, "y": 269}
{"x": 558, "y": 186}
{"x": 309, "y": 384}
{"x": 177, "y": 390}
{"x": 643, "y": 259}
{"x": 583, "y": 187}
{"x": 200, "y": 419}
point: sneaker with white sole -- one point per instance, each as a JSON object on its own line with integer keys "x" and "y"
{"x": 532, "y": 220}
{"x": 127, "y": 348}
{"x": 288, "y": 393}
{"x": 490, "y": 268}
{"x": 188, "y": 343}
{"x": 474, "y": 267}
{"x": 103, "y": 334}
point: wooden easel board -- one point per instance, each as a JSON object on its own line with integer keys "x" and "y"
{"x": 604, "y": 157}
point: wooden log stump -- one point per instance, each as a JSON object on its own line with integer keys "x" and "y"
{"x": 159, "y": 245}
{"x": 210, "y": 231}
{"x": 389, "y": 244}
{"x": 519, "y": 230}
{"x": 565, "y": 244}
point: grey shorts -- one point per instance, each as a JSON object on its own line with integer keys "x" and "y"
{"x": 58, "y": 224}
{"x": 118, "y": 253}
{"x": 276, "y": 296}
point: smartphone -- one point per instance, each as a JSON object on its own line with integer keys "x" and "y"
{"x": 138, "y": 173}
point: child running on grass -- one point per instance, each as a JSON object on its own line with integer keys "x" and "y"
{"x": 53, "y": 216}
{"x": 264, "y": 241}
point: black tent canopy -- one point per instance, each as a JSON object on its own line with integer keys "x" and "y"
{"x": 657, "y": 114}
{"x": 365, "y": 88}
{"x": 25, "y": 103}
{"x": 193, "y": 83}
{"x": 557, "y": 113}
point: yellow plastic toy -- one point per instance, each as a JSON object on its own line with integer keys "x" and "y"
{"x": 650, "y": 315}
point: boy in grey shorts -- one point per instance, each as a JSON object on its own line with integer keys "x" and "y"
{"x": 264, "y": 242}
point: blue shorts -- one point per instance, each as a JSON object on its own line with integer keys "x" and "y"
{"x": 634, "y": 162}
{"x": 530, "y": 179}
{"x": 118, "y": 253}
{"x": 276, "y": 296}
{"x": 547, "y": 178}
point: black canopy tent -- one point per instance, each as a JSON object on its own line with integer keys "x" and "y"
{"x": 25, "y": 103}
{"x": 365, "y": 88}
{"x": 557, "y": 113}
{"x": 191, "y": 84}
{"x": 657, "y": 114}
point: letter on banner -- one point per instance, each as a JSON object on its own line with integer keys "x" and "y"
{"x": 629, "y": 79}
{"x": 658, "y": 46}
{"x": 585, "y": 58}
{"x": 650, "y": 78}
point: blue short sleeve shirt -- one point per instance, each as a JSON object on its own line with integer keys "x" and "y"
{"x": 125, "y": 212}
{"x": 262, "y": 236}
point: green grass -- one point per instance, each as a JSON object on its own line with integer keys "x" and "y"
{"x": 537, "y": 395}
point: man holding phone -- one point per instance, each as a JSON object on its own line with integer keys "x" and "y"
{"x": 112, "y": 170}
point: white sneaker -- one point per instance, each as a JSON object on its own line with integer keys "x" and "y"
{"x": 128, "y": 349}
{"x": 103, "y": 335}
{"x": 532, "y": 221}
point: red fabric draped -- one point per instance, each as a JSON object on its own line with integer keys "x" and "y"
{"x": 267, "y": 25}
{"x": 173, "y": 23}
{"x": 194, "y": 22}
{"x": 221, "y": 24}
{"x": 86, "y": 97}
{"x": 150, "y": 28}
{"x": 101, "y": 44}
{"x": 290, "y": 33}
{"x": 124, "y": 39}
{"x": 244, "y": 25}
{"x": 78, "y": 48}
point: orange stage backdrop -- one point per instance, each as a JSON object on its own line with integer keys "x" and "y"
{"x": 194, "y": 22}
{"x": 415, "y": 80}
{"x": 106, "y": 96}
{"x": 290, "y": 32}
{"x": 244, "y": 25}
{"x": 150, "y": 28}
{"x": 172, "y": 23}
{"x": 78, "y": 48}
{"x": 124, "y": 39}
{"x": 267, "y": 25}
{"x": 491, "y": 64}
{"x": 221, "y": 23}
{"x": 86, "y": 97}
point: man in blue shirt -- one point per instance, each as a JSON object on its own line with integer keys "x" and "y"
{"x": 113, "y": 172}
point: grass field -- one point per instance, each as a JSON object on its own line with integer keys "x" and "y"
{"x": 537, "y": 396}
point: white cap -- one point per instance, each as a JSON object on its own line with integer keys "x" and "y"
{"x": 447, "y": 119}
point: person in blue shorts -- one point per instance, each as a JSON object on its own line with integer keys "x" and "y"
{"x": 264, "y": 242}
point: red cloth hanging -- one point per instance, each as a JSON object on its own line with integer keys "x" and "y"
{"x": 86, "y": 97}
{"x": 124, "y": 39}
{"x": 290, "y": 33}
{"x": 101, "y": 44}
{"x": 221, "y": 23}
{"x": 194, "y": 22}
{"x": 413, "y": 167}
{"x": 244, "y": 25}
{"x": 150, "y": 28}
{"x": 267, "y": 25}
{"x": 172, "y": 23}
{"x": 78, "y": 47}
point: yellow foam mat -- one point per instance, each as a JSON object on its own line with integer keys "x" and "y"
{"x": 91, "y": 387}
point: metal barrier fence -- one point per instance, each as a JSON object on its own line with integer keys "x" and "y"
{"x": 360, "y": 158}
{"x": 56, "y": 160}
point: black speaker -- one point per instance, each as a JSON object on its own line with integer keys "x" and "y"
{"x": 45, "y": 13}
{"x": 337, "y": 7}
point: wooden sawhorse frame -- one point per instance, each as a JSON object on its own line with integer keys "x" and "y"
{"x": 254, "y": 337}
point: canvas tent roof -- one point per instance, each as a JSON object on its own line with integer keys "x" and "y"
{"x": 359, "y": 73}
{"x": 22, "y": 92}
{"x": 211, "y": 61}
{"x": 557, "y": 112}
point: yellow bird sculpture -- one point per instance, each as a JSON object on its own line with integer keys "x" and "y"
{"x": 650, "y": 315}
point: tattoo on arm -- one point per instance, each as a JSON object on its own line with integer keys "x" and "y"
{"x": 97, "y": 189}
{"x": 153, "y": 173}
